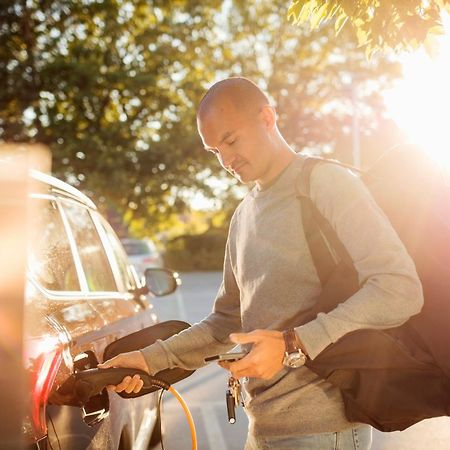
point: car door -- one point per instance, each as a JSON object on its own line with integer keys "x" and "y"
{"x": 81, "y": 297}
{"x": 56, "y": 310}
{"x": 108, "y": 284}
{"x": 144, "y": 408}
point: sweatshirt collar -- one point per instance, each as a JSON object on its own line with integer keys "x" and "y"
{"x": 282, "y": 181}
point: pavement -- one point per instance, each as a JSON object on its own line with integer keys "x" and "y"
{"x": 204, "y": 391}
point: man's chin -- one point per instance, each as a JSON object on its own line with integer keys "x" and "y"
{"x": 244, "y": 179}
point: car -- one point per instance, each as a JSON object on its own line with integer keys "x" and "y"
{"x": 142, "y": 253}
{"x": 81, "y": 295}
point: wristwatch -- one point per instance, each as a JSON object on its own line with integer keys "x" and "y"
{"x": 293, "y": 356}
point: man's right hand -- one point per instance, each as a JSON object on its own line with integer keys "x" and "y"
{"x": 133, "y": 360}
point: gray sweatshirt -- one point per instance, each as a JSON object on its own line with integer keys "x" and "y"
{"x": 269, "y": 277}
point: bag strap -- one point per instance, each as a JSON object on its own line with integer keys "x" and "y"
{"x": 324, "y": 244}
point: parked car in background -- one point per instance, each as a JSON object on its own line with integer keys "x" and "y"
{"x": 142, "y": 254}
{"x": 81, "y": 295}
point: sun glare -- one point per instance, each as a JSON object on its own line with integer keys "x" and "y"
{"x": 420, "y": 102}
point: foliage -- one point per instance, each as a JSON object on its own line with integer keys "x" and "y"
{"x": 315, "y": 78}
{"x": 197, "y": 252}
{"x": 112, "y": 87}
{"x": 378, "y": 24}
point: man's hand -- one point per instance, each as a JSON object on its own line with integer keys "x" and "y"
{"x": 265, "y": 358}
{"x": 133, "y": 360}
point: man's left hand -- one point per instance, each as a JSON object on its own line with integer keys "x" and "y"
{"x": 265, "y": 358}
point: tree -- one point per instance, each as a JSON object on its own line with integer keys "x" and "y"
{"x": 112, "y": 87}
{"x": 378, "y": 24}
{"x": 312, "y": 74}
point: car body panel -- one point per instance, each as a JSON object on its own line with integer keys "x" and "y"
{"x": 69, "y": 330}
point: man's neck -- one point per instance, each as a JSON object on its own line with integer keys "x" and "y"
{"x": 282, "y": 159}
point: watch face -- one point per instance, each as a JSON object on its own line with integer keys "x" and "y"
{"x": 294, "y": 360}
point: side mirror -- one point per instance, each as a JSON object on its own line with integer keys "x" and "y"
{"x": 161, "y": 281}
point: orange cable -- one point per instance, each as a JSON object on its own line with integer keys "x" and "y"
{"x": 188, "y": 416}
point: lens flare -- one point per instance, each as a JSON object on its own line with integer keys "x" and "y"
{"x": 420, "y": 103}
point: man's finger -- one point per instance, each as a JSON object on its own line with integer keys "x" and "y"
{"x": 242, "y": 364}
{"x": 123, "y": 384}
{"x": 224, "y": 364}
{"x": 245, "y": 338}
{"x": 133, "y": 360}
{"x": 138, "y": 387}
{"x": 132, "y": 384}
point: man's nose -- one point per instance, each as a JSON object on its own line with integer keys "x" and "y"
{"x": 226, "y": 157}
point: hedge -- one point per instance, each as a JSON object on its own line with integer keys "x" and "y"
{"x": 197, "y": 252}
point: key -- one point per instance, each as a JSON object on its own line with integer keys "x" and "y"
{"x": 237, "y": 392}
{"x": 233, "y": 398}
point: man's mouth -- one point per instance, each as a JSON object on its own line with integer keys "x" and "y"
{"x": 238, "y": 167}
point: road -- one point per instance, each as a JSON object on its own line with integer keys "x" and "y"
{"x": 204, "y": 391}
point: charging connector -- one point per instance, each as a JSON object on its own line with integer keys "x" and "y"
{"x": 88, "y": 383}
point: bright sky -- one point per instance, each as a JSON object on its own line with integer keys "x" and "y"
{"x": 420, "y": 103}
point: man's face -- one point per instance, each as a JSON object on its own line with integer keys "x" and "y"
{"x": 240, "y": 141}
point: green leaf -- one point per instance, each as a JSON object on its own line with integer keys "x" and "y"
{"x": 437, "y": 30}
{"x": 340, "y": 22}
{"x": 307, "y": 10}
{"x": 300, "y": 11}
{"x": 369, "y": 51}
{"x": 362, "y": 35}
{"x": 333, "y": 11}
{"x": 304, "y": 13}
{"x": 319, "y": 14}
{"x": 294, "y": 11}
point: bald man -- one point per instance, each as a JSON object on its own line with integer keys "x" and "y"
{"x": 269, "y": 279}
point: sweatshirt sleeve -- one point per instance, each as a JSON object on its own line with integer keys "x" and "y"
{"x": 188, "y": 348}
{"x": 391, "y": 291}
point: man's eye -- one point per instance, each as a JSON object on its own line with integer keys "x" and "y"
{"x": 232, "y": 142}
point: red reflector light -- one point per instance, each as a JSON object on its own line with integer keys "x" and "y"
{"x": 45, "y": 365}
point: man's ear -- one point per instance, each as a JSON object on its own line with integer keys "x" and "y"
{"x": 268, "y": 116}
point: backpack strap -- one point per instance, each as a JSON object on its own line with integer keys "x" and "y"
{"x": 304, "y": 180}
{"x": 320, "y": 251}
{"x": 324, "y": 244}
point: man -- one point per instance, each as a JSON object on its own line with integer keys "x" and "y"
{"x": 269, "y": 278}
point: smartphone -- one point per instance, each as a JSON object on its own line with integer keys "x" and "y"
{"x": 231, "y": 357}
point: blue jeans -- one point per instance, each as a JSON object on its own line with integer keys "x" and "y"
{"x": 352, "y": 439}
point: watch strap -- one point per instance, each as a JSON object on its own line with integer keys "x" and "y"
{"x": 290, "y": 341}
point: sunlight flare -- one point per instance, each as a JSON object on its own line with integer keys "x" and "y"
{"x": 420, "y": 102}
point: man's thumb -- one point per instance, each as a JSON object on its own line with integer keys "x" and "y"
{"x": 113, "y": 362}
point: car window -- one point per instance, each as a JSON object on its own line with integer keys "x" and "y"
{"x": 136, "y": 248}
{"x": 50, "y": 260}
{"x": 93, "y": 258}
{"x": 119, "y": 253}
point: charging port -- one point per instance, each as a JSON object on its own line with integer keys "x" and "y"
{"x": 94, "y": 409}
{"x": 84, "y": 361}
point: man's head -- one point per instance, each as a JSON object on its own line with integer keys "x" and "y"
{"x": 237, "y": 123}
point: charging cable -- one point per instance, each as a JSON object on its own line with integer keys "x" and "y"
{"x": 88, "y": 383}
{"x": 166, "y": 386}
{"x": 188, "y": 414}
